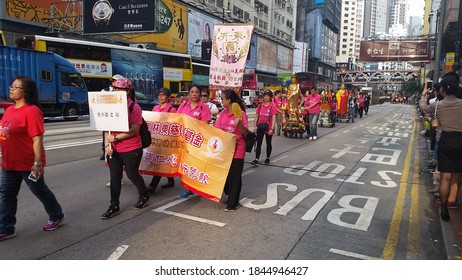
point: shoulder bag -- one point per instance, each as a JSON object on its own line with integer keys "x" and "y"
{"x": 435, "y": 119}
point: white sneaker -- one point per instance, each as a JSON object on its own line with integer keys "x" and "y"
{"x": 122, "y": 182}
{"x": 311, "y": 138}
{"x": 314, "y": 138}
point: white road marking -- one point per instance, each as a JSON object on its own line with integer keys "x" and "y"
{"x": 355, "y": 127}
{"x": 162, "y": 209}
{"x": 351, "y": 254}
{"x": 346, "y": 131}
{"x": 247, "y": 172}
{"x": 118, "y": 252}
{"x": 279, "y": 158}
{"x": 73, "y": 144}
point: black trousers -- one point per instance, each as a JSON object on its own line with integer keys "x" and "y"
{"x": 269, "y": 147}
{"x": 131, "y": 161}
{"x": 156, "y": 179}
{"x": 233, "y": 183}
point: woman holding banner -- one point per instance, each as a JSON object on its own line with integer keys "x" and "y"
{"x": 196, "y": 109}
{"x": 124, "y": 149}
{"x": 234, "y": 120}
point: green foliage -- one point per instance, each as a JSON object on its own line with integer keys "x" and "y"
{"x": 411, "y": 87}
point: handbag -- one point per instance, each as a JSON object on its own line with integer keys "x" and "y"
{"x": 250, "y": 140}
{"x": 262, "y": 127}
{"x": 435, "y": 119}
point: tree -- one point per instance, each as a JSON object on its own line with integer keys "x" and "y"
{"x": 411, "y": 87}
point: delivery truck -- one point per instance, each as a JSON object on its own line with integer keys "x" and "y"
{"x": 62, "y": 91}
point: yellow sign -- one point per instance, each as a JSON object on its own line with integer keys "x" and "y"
{"x": 194, "y": 151}
{"x": 173, "y": 26}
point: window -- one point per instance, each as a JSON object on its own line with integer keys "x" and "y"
{"x": 45, "y": 75}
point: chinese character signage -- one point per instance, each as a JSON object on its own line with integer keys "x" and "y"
{"x": 93, "y": 69}
{"x": 108, "y": 110}
{"x": 111, "y": 16}
{"x": 194, "y": 151}
{"x": 416, "y": 50}
{"x": 230, "y": 45}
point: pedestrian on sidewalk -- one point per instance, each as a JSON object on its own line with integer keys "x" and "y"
{"x": 237, "y": 125}
{"x": 124, "y": 149}
{"x": 23, "y": 157}
{"x": 265, "y": 120}
{"x": 449, "y": 114}
{"x": 194, "y": 108}
{"x": 164, "y": 95}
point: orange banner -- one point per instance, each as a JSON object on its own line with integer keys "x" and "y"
{"x": 196, "y": 152}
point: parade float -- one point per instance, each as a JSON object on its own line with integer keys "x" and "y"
{"x": 292, "y": 124}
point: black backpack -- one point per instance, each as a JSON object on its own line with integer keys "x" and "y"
{"x": 144, "y": 131}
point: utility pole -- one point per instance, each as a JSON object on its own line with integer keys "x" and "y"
{"x": 439, "y": 40}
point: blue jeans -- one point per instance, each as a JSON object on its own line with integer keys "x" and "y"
{"x": 352, "y": 113}
{"x": 313, "y": 119}
{"x": 9, "y": 189}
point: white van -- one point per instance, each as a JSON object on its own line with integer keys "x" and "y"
{"x": 248, "y": 95}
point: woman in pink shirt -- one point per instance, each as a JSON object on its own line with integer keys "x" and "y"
{"x": 196, "y": 109}
{"x": 123, "y": 149}
{"x": 313, "y": 105}
{"x": 228, "y": 122}
{"x": 164, "y": 106}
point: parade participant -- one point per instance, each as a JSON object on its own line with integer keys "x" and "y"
{"x": 124, "y": 150}
{"x": 313, "y": 106}
{"x": 278, "y": 103}
{"x": 361, "y": 105}
{"x": 367, "y": 102}
{"x": 23, "y": 157}
{"x": 195, "y": 109}
{"x": 265, "y": 116}
{"x": 236, "y": 123}
{"x": 352, "y": 105}
{"x": 333, "y": 110}
{"x": 214, "y": 111}
{"x": 342, "y": 99}
{"x": 450, "y": 142}
{"x": 164, "y": 95}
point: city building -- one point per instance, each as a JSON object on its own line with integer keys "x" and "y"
{"x": 397, "y": 17}
{"x": 351, "y": 31}
{"x": 375, "y": 20}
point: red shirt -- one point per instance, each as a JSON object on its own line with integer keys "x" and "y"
{"x": 228, "y": 122}
{"x": 265, "y": 114}
{"x": 17, "y": 128}
{"x": 133, "y": 143}
{"x": 201, "y": 112}
{"x": 167, "y": 109}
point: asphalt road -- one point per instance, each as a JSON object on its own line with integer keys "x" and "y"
{"x": 355, "y": 193}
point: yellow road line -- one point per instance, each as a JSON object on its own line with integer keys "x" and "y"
{"x": 393, "y": 235}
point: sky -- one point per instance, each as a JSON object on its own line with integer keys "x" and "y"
{"x": 416, "y": 7}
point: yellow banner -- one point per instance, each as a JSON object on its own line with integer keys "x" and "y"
{"x": 196, "y": 152}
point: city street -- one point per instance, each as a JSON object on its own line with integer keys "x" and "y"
{"x": 358, "y": 192}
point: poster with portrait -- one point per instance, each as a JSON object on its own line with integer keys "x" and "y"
{"x": 200, "y": 34}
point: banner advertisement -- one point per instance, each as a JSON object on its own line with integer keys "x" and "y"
{"x": 36, "y": 12}
{"x": 111, "y": 16}
{"x": 267, "y": 55}
{"x": 173, "y": 25}
{"x": 92, "y": 69}
{"x": 200, "y": 33}
{"x": 230, "y": 46}
{"x": 108, "y": 110}
{"x": 406, "y": 50}
{"x": 195, "y": 151}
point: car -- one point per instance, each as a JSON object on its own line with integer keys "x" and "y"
{"x": 145, "y": 103}
{"x": 257, "y": 100}
{"x": 179, "y": 98}
{"x": 3, "y": 106}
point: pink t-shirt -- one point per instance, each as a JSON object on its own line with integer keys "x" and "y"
{"x": 333, "y": 106}
{"x": 201, "y": 112}
{"x": 133, "y": 143}
{"x": 265, "y": 114}
{"x": 167, "y": 109}
{"x": 313, "y": 99}
{"x": 228, "y": 122}
{"x": 278, "y": 102}
{"x": 17, "y": 127}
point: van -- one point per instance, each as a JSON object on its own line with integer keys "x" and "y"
{"x": 248, "y": 95}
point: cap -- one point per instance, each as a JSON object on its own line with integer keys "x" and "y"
{"x": 116, "y": 77}
{"x": 165, "y": 91}
{"x": 122, "y": 83}
{"x": 268, "y": 92}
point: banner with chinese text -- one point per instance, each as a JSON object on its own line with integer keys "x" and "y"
{"x": 230, "y": 45}
{"x": 195, "y": 151}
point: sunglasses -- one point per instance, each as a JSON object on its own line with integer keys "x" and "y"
{"x": 205, "y": 96}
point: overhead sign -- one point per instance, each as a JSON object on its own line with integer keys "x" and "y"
{"x": 112, "y": 16}
{"x": 408, "y": 50}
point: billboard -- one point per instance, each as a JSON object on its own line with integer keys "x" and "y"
{"x": 407, "y": 50}
{"x": 172, "y": 28}
{"x": 200, "y": 34}
{"x": 34, "y": 12}
{"x": 285, "y": 59}
{"x": 110, "y": 16}
{"x": 266, "y": 55}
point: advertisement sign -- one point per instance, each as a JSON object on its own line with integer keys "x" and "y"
{"x": 200, "y": 34}
{"x": 194, "y": 151}
{"x": 408, "y": 50}
{"x": 230, "y": 47}
{"x": 252, "y": 56}
{"x": 35, "y": 12}
{"x": 285, "y": 59}
{"x": 115, "y": 16}
{"x": 92, "y": 69}
{"x": 108, "y": 110}
{"x": 172, "y": 28}
{"x": 267, "y": 55}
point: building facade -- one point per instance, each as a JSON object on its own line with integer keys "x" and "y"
{"x": 351, "y": 31}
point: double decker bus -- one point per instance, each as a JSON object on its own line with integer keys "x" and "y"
{"x": 148, "y": 69}
{"x": 260, "y": 81}
{"x": 307, "y": 80}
